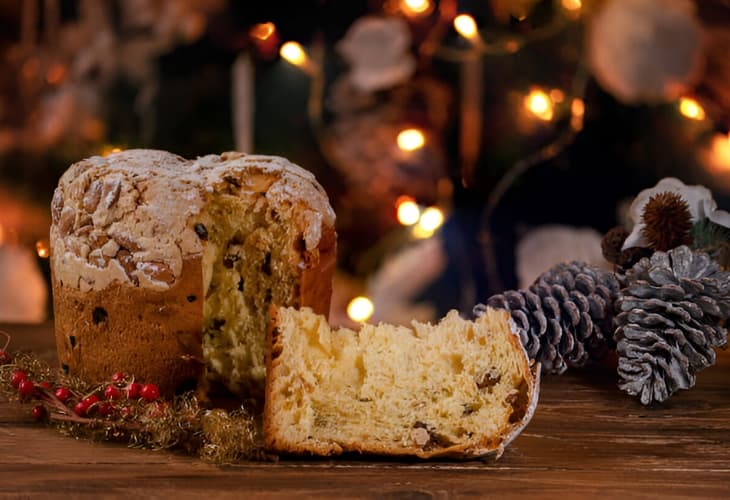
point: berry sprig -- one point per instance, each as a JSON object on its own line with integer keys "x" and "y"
{"x": 124, "y": 409}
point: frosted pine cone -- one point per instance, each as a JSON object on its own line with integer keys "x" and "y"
{"x": 565, "y": 317}
{"x": 670, "y": 314}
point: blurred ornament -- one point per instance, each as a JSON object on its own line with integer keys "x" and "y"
{"x": 394, "y": 287}
{"x": 546, "y": 246}
{"x": 700, "y": 203}
{"x": 377, "y": 50}
{"x": 23, "y": 292}
{"x": 646, "y": 51}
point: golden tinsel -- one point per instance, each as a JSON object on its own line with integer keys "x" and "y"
{"x": 667, "y": 221}
{"x": 182, "y": 423}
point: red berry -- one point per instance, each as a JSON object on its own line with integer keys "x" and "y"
{"x": 62, "y": 393}
{"x": 26, "y": 388}
{"x": 45, "y": 385}
{"x": 149, "y": 392}
{"x": 111, "y": 392}
{"x": 119, "y": 377}
{"x": 80, "y": 409}
{"x": 133, "y": 390}
{"x": 17, "y": 377}
{"x": 106, "y": 409}
{"x": 38, "y": 412}
{"x": 89, "y": 401}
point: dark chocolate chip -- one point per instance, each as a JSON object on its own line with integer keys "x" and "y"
{"x": 201, "y": 231}
{"x": 191, "y": 298}
{"x": 266, "y": 266}
{"x": 232, "y": 180}
{"x": 99, "y": 314}
{"x": 72, "y": 340}
{"x": 229, "y": 260}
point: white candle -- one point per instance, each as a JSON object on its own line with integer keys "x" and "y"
{"x": 243, "y": 102}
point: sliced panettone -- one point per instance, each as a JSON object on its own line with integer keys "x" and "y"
{"x": 457, "y": 389}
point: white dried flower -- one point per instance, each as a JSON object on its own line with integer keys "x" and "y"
{"x": 645, "y": 51}
{"x": 699, "y": 200}
{"x": 377, "y": 50}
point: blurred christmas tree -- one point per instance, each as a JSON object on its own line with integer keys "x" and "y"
{"x": 448, "y": 134}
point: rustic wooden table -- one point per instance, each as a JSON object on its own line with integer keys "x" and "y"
{"x": 586, "y": 439}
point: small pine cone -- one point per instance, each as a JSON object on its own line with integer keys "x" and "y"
{"x": 611, "y": 244}
{"x": 564, "y": 318}
{"x": 669, "y": 319}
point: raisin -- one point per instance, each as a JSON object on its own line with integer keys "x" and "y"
{"x": 191, "y": 298}
{"x": 229, "y": 260}
{"x": 201, "y": 231}
{"x": 99, "y": 314}
{"x": 232, "y": 180}
{"x": 488, "y": 379}
{"x": 266, "y": 266}
{"x": 240, "y": 285}
{"x": 218, "y": 323}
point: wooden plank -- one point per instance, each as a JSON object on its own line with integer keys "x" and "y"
{"x": 586, "y": 439}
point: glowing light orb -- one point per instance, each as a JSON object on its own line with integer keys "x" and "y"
{"x": 360, "y": 309}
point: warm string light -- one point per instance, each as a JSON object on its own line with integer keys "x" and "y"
{"x": 108, "y": 149}
{"x": 571, "y": 5}
{"x": 407, "y": 210}
{"x": 718, "y": 159}
{"x": 577, "y": 110}
{"x": 430, "y": 220}
{"x": 466, "y": 26}
{"x": 263, "y": 31}
{"x": 410, "y": 139}
{"x": 360, "y": 309}
{"x": 539, "y": 104}
{"x": 294, "y": 53}
{"x": 416, "y": 8}
{"x": 42, "y": 249}
{"x": 689, "y": 108}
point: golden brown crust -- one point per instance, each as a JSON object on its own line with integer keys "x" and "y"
{"x": 316, "y": 282}
{"x": 155, "y": 335}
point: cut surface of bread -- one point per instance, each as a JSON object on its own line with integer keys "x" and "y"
{"x": 457, "y": 389}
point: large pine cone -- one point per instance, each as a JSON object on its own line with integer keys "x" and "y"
{"x": 670, "y": 313}
{"x": 565, "y": 317}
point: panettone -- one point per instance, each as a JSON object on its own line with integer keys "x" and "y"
{"x": 457, "y": 389}
{"x": 164, "y": 268}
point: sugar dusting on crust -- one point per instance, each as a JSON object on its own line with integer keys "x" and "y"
{"x": 130, "y": 216}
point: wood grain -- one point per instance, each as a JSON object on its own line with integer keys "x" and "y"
{"x": 587, "y": 439}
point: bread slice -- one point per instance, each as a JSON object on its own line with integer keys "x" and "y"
{"x": 459, "y": 389}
